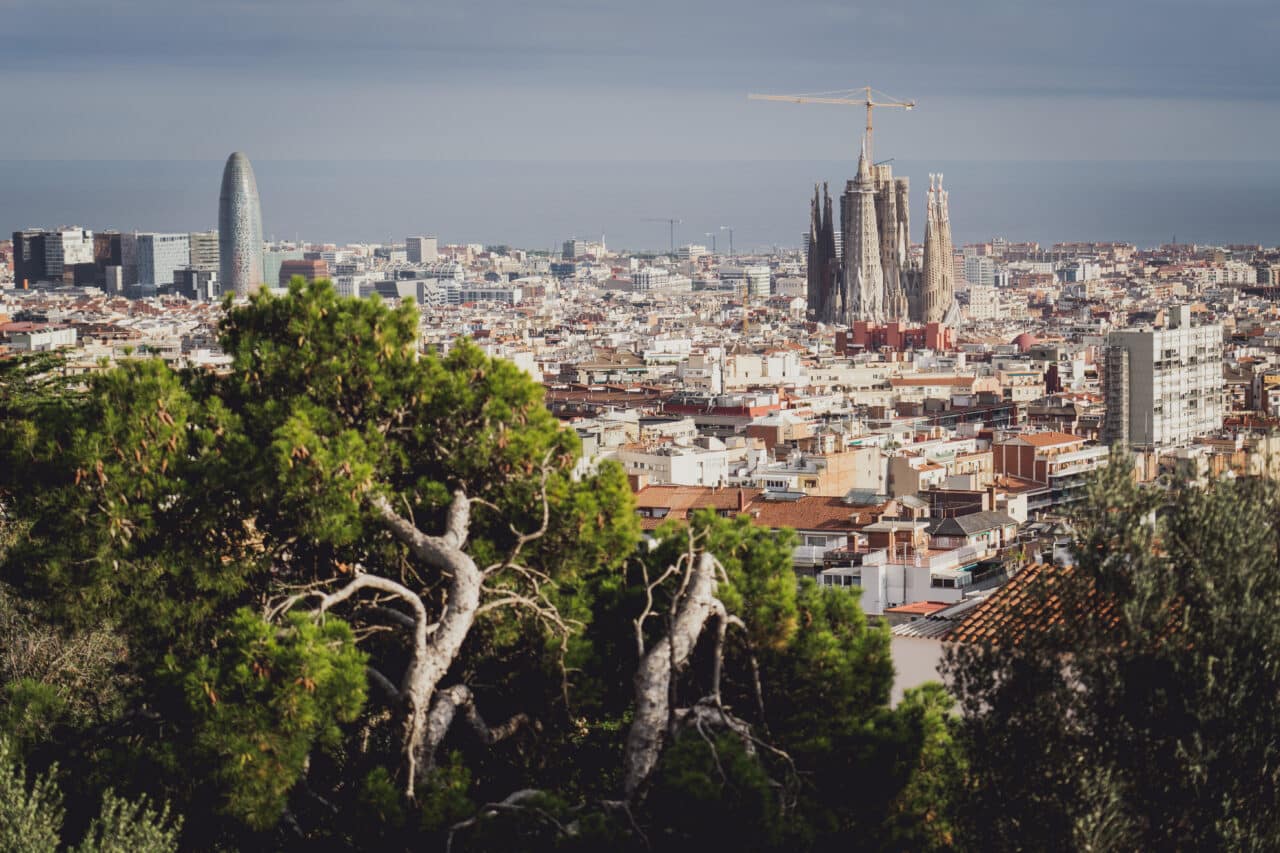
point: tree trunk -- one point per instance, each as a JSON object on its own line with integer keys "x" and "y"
{"x": 658, "y": 667}
{"x": 435, "y": 647}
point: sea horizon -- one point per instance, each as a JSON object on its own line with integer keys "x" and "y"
{"x": 536, "y": 204}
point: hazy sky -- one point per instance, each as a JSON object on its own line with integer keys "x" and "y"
{"x": 640, "y": 79}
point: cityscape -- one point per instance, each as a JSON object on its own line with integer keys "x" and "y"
{"x": 880, "y": 539}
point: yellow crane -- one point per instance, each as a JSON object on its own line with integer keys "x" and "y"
{"x": 863, "y": 96}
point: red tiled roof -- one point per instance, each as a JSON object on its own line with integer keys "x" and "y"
{"x": 1028, "y": 602}
{"x": 919, "y": 608}
{"x": 928, "y": 381}
{"x": 1049, "y": 439}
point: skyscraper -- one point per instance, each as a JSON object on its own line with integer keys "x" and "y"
{"x": 239, "y": 228}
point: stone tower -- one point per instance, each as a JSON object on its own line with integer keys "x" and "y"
{"x": 823, "y": 265}
{"x": 863, "y": 274}
{"x": 938, "y": 286}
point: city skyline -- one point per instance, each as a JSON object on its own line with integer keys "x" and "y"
{"x": 543, "y": 204}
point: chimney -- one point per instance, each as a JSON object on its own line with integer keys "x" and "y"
{"x": 742, "y": 499}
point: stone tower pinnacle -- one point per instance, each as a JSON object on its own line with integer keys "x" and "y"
{"x": 939, "y": 265}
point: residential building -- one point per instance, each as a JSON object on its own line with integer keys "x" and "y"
{"x": 1163, "y": 387}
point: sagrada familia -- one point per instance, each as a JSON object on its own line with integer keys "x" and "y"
{"x": 877, "y": 279}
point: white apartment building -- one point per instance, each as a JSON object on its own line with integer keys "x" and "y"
{"x": 980, "y": 269}
{"x": 984, "y": 302}
{"x": 756, "y": 279}
{"x": 1163, "y": 387}
{"x": 702, "y": 464}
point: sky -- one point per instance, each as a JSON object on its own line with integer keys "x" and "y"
{"x": 573, "y": 80}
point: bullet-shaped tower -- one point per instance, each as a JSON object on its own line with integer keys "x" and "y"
{"x": 239, "y": 228}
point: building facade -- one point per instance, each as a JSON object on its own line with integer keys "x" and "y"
{"x": 160, "y": 256}
{"x": 422, "y": 250}
{"x": 864, "y": 270}
{"x": 1163, "y": 387}
{"x": 239, "y": 228}
{"x": 204, "y": 250}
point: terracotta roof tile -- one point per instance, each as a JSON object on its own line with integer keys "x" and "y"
{"x": 1027, "y": 603}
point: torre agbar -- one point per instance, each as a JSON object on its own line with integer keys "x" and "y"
{"x": 239, "y": 228}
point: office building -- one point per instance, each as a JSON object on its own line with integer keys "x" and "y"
{"x": 204, "y": 250}
{"x": 574, "y": 249}
{"x": 422, "y": 250}
{"x": 65, "y": 249}
{"x": 28, "y": 258}
{"x": 309, "y": 270}
{"x": 160, "y": 256}
{"x": 239, "y": 228}
{"x": 272, "y": 259}
{"x": 198, "y": 285}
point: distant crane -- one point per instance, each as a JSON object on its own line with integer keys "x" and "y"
{"x": 712, "y": 235}
{"x": 863, "y": 96}
{"x": 672, "y": 222}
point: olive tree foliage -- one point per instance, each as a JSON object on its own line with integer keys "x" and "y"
{"x": 1143, "y": 718}
{"x": 314, "y": 555}
{"x": 31, "y": 816}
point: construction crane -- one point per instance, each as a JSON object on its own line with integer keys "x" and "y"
{"x": 863, "y": 96}
{"x": 729, "y": 228}
{"x": 671, "y": 221}
{"x": 712, "y": 235}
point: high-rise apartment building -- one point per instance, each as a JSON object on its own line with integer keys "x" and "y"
{"x": 573, "y": 249}
{"x": 204, "y": 250}
{"x": 1163, "y": 387}
{"x": 160, "y": 256}
{"x": 239, "y": 228}
{"x": 422, "y": 250}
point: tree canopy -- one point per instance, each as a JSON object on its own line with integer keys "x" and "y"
{"x": 1142, "y": 718}
{"x": 352, "y": 593}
